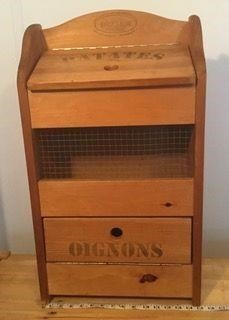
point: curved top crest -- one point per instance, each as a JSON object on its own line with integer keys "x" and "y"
{"x": 115, "y": 27}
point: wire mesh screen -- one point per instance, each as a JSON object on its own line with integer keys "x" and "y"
{"x": 133, "y": 152}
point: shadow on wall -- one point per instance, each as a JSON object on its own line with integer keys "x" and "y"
{"x": 3, "y": 237}
{"x": 216, "y": 197}
{"x": 15, "y": 216}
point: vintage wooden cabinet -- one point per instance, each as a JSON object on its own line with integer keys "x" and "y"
{"x": 112, "y": 106}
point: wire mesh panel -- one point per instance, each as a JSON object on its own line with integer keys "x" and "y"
{"x": 133, "y": 152}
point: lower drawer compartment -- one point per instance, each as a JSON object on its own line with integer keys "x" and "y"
{"x": 135, "y": 240}
{"x": 174, "y": 281}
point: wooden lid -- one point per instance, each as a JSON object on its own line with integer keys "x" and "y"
{"x": 112, "y": 67}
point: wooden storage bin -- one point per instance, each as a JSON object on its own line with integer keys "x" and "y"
{"x": 118, "y": 240}
{"x": 112, "y": 108}
{"x": 116, "y": 280}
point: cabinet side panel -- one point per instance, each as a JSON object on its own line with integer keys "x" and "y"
{"x": 32, "y": 48}
{"x": 196, "y": 47}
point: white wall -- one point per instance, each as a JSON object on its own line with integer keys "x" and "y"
{"x": 15, "y": 15}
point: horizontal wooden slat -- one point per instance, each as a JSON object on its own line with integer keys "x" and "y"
{"x": 147, "y": 240}
{"x": 113, "y": 107}
{"x": 116, "y": 198}
{"x": 116, "y": 280}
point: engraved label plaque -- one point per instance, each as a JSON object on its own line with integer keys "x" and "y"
{"x": 115, "y": 23}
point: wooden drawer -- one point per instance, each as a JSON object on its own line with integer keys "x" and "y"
{"x": 116, "y": 280}
{"x": 146, "y": 240}
{"x": 175, "y": 105}
{"x": 116, "y": 198}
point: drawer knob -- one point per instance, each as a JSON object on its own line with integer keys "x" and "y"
{"x": 148, "y": 278}
{"x": 116, "y": 232}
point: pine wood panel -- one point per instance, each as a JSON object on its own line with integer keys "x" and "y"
{"x": 113, "y": 67}
{"x": 113, "y": 107}
{"x": 116, "y": 198}
{"x": 197, "y": 53}
{"x": 32, "y": 48}
{"x": 166, "y": 240}
{"x": 117, "y": 280}
{"x": 116, "y": 27}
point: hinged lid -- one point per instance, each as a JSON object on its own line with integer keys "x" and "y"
{"x": 113, "y": 67}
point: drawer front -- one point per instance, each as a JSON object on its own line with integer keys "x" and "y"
{"x": 113, "y": 107}
{"x": 116, "y": 198}
{"x": 145, "y": 240}
{"x": 115, "y": 280}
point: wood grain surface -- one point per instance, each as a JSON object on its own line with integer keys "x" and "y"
{"x": 113, "y": 68}
{"x": 116, "y": 198}
{"x": 116, "y": 27}
{"x": 145, "y": 240}
{"x": 113, "y": 107}
{"x": 32, "y": 48}
{"x": 117, "y": 280}
{"x": 197, "y": 53}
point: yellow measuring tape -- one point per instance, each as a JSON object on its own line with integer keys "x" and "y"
{"x": 177, "y": 307}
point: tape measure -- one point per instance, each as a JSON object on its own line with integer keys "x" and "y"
{"x": 177, "y": 307}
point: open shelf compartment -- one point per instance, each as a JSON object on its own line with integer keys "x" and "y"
{"x": 115, "y": 153}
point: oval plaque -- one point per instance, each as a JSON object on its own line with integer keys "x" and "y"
{"x": 115, "y": 23}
